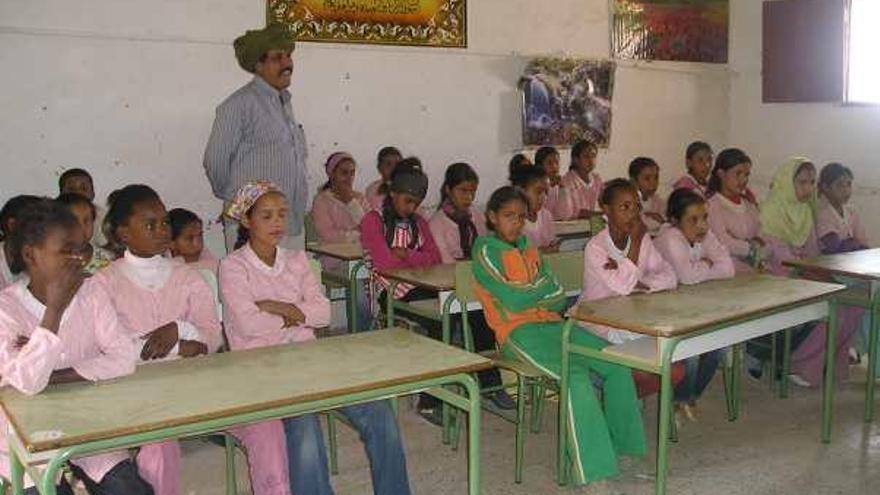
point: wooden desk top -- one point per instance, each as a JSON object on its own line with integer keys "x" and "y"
{"x": 694, "y": 307}
{"x": 857, "y": 264}
{"x": 572, "y": 228}
{"x": 186, "y": 391}
{"x": 347, "y": 251}
{"x": 438, "y": 277}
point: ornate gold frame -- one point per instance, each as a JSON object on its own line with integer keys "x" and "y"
{"x": 435, "y": 23}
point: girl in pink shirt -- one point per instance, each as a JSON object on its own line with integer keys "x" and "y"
{"x": 170, "y": 310}
{"x": 582, "y": 185}
{"x": 386, "y": 160}
{"x": 8, "y": 220}
{"x": 539, "y": 228}
{"x": 645, "y": 174}
{"x": 56, "y": 327}
{"x": 698, "y": 159}
{"x": 558, "y": 202}
{"x": 838, "y": 227}
{"x": 272, "y": 297}
{"x": 622, "y": 259}
{"x": 733, "y": 211}
{"x": 95, "y": 257}
{"x": 188, "y": 240}
{"x": 338, "y": 209}
{"x": 697, "y": 256}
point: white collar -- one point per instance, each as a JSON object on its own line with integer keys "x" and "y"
{"x": 615, "y": 253}
{"x": 32, "y": 305}
{"x": 148, "y": 273}
{"x": 261, "y": 265}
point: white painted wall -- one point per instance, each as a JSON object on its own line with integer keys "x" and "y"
{"x": 823, "y": 132}
{"x": 127, "y": 89}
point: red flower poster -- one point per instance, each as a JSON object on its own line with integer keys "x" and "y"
{"x": 676, "y": 30}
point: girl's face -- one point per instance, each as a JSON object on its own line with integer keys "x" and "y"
{"x": 86, "y": 218}
{"x": 694, "y": 223}
{"x": 700, "y": 165}
{"x": 189, "y": 243}
{"x": 551, "y": 165}
{"x": 624, "y": 210}
{"x": 48, "y": 260}
{"x": 734, "y": 181}
{"x": 386, "y": 166}
{"x": 648, "y": 181}
{"x": 147, "y": 232}
{"x": 405, "y": 204}
{"x": 536, "y": 193}
{"x": 509, "y": 220}
{"x": 805, "y": 184}
{"x": 462, "y": 195}
{"x": 343, "y": 176}
{"x": 586, "y": 162}
{"x": 839, "y": 192}
{"x": 79, "y": 184}
{"x": 267, "y": 219}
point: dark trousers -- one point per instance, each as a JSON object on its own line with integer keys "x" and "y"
{"x": 761, "y": 347}
{"x": 123, "y": 479}
{"x": 484, "y": 338}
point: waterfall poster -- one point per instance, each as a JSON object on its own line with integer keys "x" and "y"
{"x": 565, "y": 100}
{"x": 675, "y": 30}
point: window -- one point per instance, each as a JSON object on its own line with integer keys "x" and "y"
{"x": 863, "y": 75}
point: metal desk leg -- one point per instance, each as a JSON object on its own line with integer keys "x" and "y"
{"x": 665, "y": 414}
{"x": 389, "y": 304}
{"x": 352, "y": 296}
{"x": 16, "y": 473}
{"x": 735, "y": 380}
{"x": 562, "y": 436}
{"x": 828, "y": 385}
{"x": 786, "y": 363}
{"x": 872, "y": 358}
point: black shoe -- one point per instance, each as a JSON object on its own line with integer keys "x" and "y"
{"x": 502, "y": 400}
{"x": 433, "y": 415}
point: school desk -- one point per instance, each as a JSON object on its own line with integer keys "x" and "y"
{"x": 352, "y": 256}
{"x": 855, "y": 268}
{"x": 212, "y": 393}
{"x": 574, "y": 234}
{"x": 693, "y": 320}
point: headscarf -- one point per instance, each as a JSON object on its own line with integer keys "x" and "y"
{"x": 255, "y": 43}
{"x": 782, "y": 215}
{"x": 247, "y": 196}
{"x": 335, "y": 160}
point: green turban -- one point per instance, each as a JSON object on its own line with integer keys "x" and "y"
{"x": 253, "y": 44}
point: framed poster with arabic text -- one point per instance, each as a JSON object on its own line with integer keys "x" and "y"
{"x": 437, "y": 23}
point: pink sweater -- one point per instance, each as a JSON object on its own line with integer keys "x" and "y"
{"x": 447, "y": 237}
{"x": 734, "y": 224}
{"x": 541, "y": 232}
{"x": 581, "y": 196}
{"x": 179, "y": 294}
{"x": 781, "y": 251}
{"x": 689, "y": 261}
{"x": 90, "y": 340}
{"x": 6, "y": 276}
{"x": 374, "y": 199}
{"x": 654, "y": 204}
{"x": 245, "y": 279}
{"x": 687, "y": 181}
{"x": 337, "y": 222}
{"x": 558, "y": 203}
{"x": 601, "y": 281}
{"x": 373, "y": 241}
{"x": 848, "y": 226}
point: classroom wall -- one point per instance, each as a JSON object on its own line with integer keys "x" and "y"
{"x": 128, "y": 89}
{"x": 822, "y": 131}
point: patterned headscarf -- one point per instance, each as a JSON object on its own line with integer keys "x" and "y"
{"x": 247, "y": 196}
{"x": 782, "y": 215}
{"x": 255, "y": 43}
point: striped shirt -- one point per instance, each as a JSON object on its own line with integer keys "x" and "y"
{"x": 403, "y": 237}
{"x": 256, "y": 137}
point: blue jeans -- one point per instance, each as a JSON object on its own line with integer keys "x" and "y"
{"x": 699, "y": 371}
{"x": 377, "y": 426}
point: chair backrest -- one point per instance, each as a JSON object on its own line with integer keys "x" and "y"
{"x": 211, "y": 278}
{"x": 310, "y": 230}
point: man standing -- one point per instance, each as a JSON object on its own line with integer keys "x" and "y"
{"x": 255, "y": 134}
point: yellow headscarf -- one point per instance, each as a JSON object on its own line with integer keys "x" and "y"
{"x": 782, "y": 215}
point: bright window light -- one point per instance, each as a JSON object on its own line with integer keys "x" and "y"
{"x": 863, "y": 81}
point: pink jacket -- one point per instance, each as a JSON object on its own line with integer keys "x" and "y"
{"x": 446, "y": 234}
{"x": 6, "y": 276}
{"x": 183, "y": 297}
{"x": 374, "y": 199}
{"x": 337, "y": 222}
{"x": 373, "y": 241}
{"x": 245, "y": 279}
{"x": 541, "y": 232}
{"x": 848, "y": 226}
{"x": 654, "y": 204}
{"x": 687, "y": 181}
{"x": 90, "y": 340}
{"x": 206, "y": 261}
{"x": 558, "y": 203}
{"x": 734, "y": 225}
{"x": 781, "y": 251}
{"x": 581, "y": 196}
{"x": 689, "y": 262}
{"x": 601, "y": 282}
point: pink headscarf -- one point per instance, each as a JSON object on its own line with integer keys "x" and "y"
{"x": 335, "y": 160}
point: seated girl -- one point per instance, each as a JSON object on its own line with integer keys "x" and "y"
{"x": 8, "y": 220}
{"x": 697, "y": 256}
{"x": 523, "y": 302}
{"x": 94, "y": 257}
{"x": 558, "y": 203}
{"x": 386, "y": 160}
{"x": 272, "y": 297}
{"x": 582, "y": 184}
{"x": 169, "y": 309}
{"x": 838, "y": 226}
{"x": 188, "y": 240}
{"x": 698, "y": 161}
{"x": 645, "y": 174}
{"x": 56, "y": 327}
{"x": 539, "y": 228}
